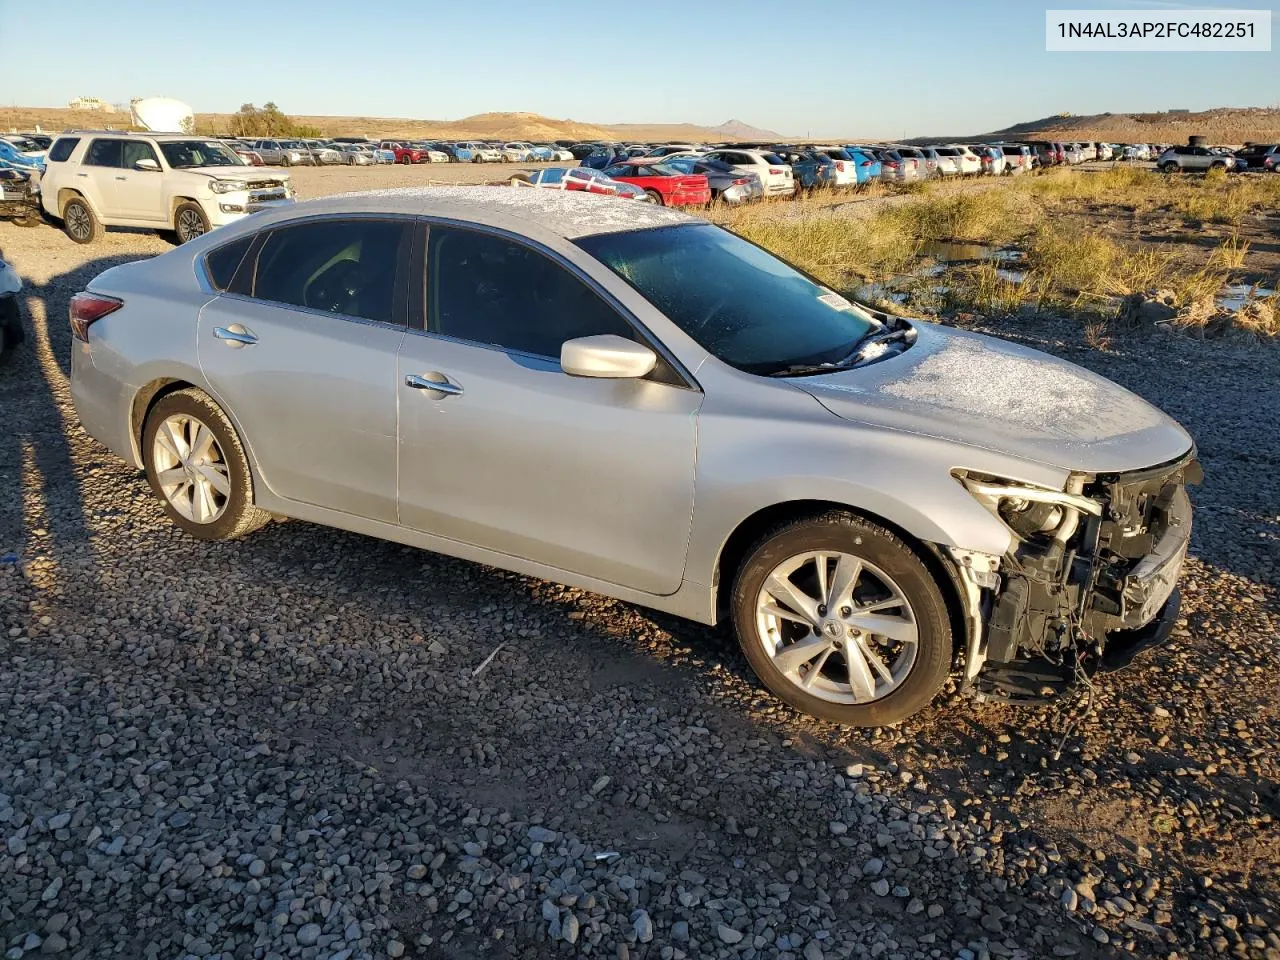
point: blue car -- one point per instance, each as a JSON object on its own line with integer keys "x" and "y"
{"x": 14, "y": 158}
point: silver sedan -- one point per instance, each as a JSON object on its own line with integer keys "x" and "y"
{"x": 630, "y": 400}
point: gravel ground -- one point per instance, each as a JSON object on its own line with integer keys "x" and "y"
{"x": 297, "y": 746}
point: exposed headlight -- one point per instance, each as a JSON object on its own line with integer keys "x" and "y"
{"x": 1032, "y": 511}
{"x": 226, "y": 186}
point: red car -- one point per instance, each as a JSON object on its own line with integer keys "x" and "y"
{"x": 404, "y": 152}
{"x": 664, "y": 184}
{"x": 578, "y": 178}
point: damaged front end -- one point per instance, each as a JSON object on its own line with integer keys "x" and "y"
{"x": 1089, "y": 581}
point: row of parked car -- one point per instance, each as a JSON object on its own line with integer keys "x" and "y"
{"x": 354, "y": 151}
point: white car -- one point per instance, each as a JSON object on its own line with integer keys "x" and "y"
{"x": 560, "y": 154}
{"x": 358, "y": 154}
{"x": 164, "y": 181}
{"x": 774, "y": 172}
{"x": 518, "y": 152}
{"x": 481, "y": 152}
{"x": 959, "y": 159}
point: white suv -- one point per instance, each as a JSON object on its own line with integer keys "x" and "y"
{"x": 172, "y": 182}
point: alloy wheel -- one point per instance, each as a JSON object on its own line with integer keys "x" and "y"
{"x": 78, "y": 224}
{"x": 837, "y": 627}
{"x": 191, "y": 469}
{"x": 190, "y": 225}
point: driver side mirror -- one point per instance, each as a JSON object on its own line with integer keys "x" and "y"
{"x": 146, "y": 163}
{"x": 608, "y": 356}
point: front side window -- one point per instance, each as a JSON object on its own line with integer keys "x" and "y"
{"x": 337, "y": 266}
{"x": 135, "y": 150}
{"x": 739, "y": 302}
{"x": 104, "y": 153}
{"x": 495, "y": 291}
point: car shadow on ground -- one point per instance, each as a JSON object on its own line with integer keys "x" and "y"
{"x": 44, "y": 529}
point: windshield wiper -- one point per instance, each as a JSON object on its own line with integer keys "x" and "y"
{"x": 869, "y": 348}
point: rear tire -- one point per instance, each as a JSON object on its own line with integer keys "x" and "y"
{"x": 80, "y": 222}
{"x": 228, "y": 512}
{"x": 656, "y": 198}
{"x": 1169, "y": 166}
{"x": 917, "y": 659}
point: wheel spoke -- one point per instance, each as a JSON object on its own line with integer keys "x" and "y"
{"x": 861, "y": 683}
{"x": 820, "y": 564}
{"x": 790, "y": 659}
{"x": 788, "y": 594}
{"x": 895, "y": 628}
{"x": 894, "y": 601}
{"x": 216, "y": 475}
{"x": 815, "y": 669}
{"x": 172, "y": 477}
{"x": 848, "y": 569}
{"x": 202, "y": 445}
{"x": 876, "y": 663}
{"x": 776, "y": 610}
{"x": 171, "y": 440}
{"x": 202, "y": 501}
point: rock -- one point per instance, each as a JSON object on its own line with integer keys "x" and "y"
{"x": 53, "y": 944}
{"x": 643, "y": 925}
{"x": 59, "y": 820}
{"x": 728, "y": 934}
{"x": 880, "y": 888}
{"x": 257, "y": 868}
{"x": 812, "y": 951}
{"x": 569, "y": 927}
{"x": 872, "y": 867}
{"x": 838, "y": 828}
{"x": 395, "y": 948}
{"x": 308, "y": 934}
{"x": 1151, "y": 307}
{"x": 541, "y": 835}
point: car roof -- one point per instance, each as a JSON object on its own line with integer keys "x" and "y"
{"x": 566, "y": 214}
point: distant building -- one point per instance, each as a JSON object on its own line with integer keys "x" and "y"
{"x": 91, "y": 103}
{"x": 1177, "y": 111}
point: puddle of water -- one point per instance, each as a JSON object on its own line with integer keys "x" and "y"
{"x": 1012, "y": 276}
{"x": 1236, "y": 295}
{"x": 946, "y": 252}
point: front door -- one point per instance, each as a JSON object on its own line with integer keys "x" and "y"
{"x": 302, "y": 352}
{"x": 140, "y": 193}
{"x": 591, "y": 476}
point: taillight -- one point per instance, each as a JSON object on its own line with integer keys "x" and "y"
{"x": 865, "y": 163}
{"x": 775, "y": 171}
{"x": 840, "y": 165}
{"x": 740, "y": 181}
{"x": 86, "y": 308}
{"x": 891, "y": 164}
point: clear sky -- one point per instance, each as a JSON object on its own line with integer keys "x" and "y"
{"x": 883, "y": 68}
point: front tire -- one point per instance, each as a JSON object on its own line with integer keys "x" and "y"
{"x": 190, "y": 221}
{"x": 842, "y": 620}
{"x": 197, "y": 466}
{"x": 656, "y": 198}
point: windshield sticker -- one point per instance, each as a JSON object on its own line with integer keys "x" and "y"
{"x": 835, "y": 301}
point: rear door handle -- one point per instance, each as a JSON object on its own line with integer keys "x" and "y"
{"x": 442, "y": 386}
{"x": 122, "y": 178}
{"x": 235, "y": 336}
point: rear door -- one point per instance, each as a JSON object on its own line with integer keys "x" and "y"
{"x": 302, "y": 351}
{"x": 99, "y": 173}
{"x": 592, "y": 476}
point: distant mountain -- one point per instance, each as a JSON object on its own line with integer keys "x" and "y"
{"x": 737, "y": 130}
{"x": 1227, "y": 125}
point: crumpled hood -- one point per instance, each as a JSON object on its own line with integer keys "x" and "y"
{"x": 999, "y": 396}
{"x": 254, "y": 174}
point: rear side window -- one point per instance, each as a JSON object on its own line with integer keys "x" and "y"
{"x": 104, "y": 153}
{"x": 346, "y": 267}
{"x": 62, "y": 148}
{"x": 223, "y": 262}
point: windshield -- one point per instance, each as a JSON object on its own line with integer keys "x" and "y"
{"x": 199, "y": 153}
{"x": 739, "y": 302}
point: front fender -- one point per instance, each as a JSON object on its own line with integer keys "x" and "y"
{"x": 746, "y": 465}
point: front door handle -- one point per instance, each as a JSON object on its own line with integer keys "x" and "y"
{"x": 122, "y": 178}
{"x": 235, "y": 336}
{"x": 442, "y": 385}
